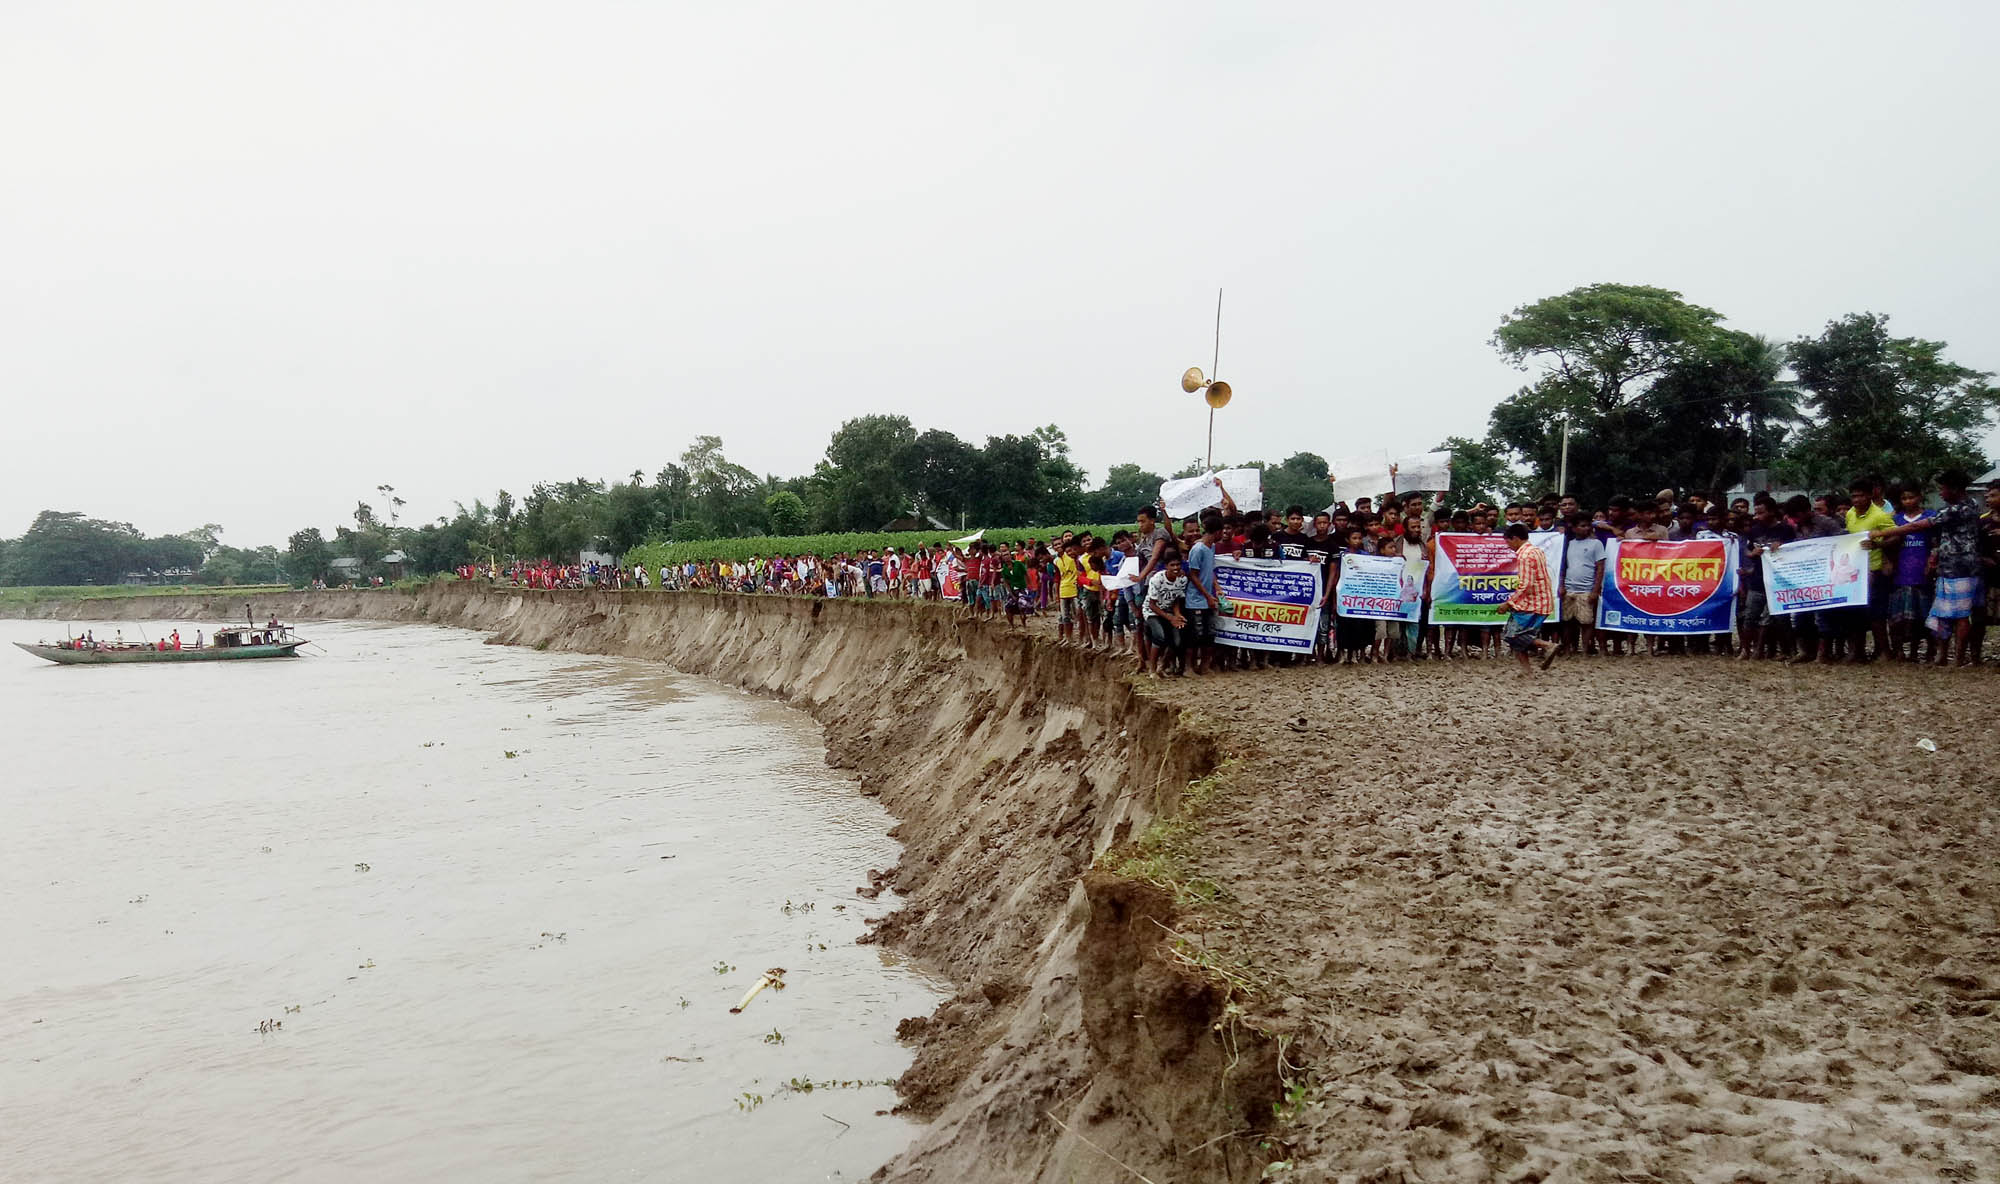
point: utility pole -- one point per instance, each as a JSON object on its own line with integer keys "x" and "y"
{"x": 1562, "y": 472}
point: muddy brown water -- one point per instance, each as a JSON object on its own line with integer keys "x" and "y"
{"x": 417, "y": 908}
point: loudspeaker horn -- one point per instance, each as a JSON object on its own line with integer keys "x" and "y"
{"x": 1192, "y": 381}
{"x": 1217, "y": 394}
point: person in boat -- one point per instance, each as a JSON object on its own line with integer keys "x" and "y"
{"x": 197, "y": 639}
{"x": 176, "y": 639}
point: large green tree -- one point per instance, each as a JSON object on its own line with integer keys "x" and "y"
{"x": 1480, "y": 474}
{"x": 631, "y": 513}
{"x": 242, "y": 565}
{"x": 307, "y": 554}
{"x": 869, "y": 481}
{"x": 1007, "y": 488}
{"x": 1604, "y": 343}
{"x": 1715, "y": 414}
{"x": 1059, "y": 482}
{"x": 1126, "y": 488}
{"x": 786, "y": 512}
{"x": 66, "y": 547}
{"x": 724, "y": 495}
{"x": 1298, "y": 480}
{"x": 1651, "y": 389}
{"x": 1883, "y": 406}
{"x": 942, "y": 471}
{"x": 559, "y": 520}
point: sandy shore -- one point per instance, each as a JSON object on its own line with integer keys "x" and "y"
{"x": 1653, "y": 919}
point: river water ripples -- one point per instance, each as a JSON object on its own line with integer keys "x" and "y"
{"x": 418, "y": 908}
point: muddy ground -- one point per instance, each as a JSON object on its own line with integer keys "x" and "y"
{"x": 1636, "y": 919}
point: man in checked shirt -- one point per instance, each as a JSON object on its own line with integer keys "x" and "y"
{"x": 1530, "y": 604}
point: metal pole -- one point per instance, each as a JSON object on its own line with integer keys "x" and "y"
{"x": 1216, "y": 361}
{"x": 1562, "y": 473}
{"x": 1214, "y": 365}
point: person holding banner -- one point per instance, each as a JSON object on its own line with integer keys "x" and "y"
{"x": 1865, "y": 515}
{"x": 1808, "y": 522}
{"x": 1531, "y": 603}
{"x": 1583, "y": 575}
{"x": 1955, "y": 558}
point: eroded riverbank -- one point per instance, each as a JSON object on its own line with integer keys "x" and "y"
{"x": 1677, "y": 919}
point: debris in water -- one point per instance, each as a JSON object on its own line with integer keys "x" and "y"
{"x": 774, "y": 978}
{"x": 509, "y": 753}
{"x": 1927, "y": 744}
{"x": 362, "y": 867}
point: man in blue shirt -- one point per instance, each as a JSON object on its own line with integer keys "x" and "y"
{"x": 1201, "y": 594}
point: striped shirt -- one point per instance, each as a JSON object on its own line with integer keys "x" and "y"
{"x": 1532, "y": 595}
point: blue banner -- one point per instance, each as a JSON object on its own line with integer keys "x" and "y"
{"x": 1273, "y": 604}
{"x": 1813, "y": 574}
{"x": 1381, "y": 587}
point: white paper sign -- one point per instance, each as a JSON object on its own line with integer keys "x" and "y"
{"x": 1184, "y": 496}
{"x": 1425, "y": 472}
{"x": 1360, "y": 476}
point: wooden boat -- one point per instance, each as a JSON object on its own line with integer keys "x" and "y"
{"x": 231, "y": 643}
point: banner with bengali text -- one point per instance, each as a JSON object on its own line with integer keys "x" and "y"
{"x": 1810, "y": 575}
{"x": 1668, "y": 588}
{"x": 1476, "y": 573}
{"x": 1381, "y": 587}
{"x": 1274, "y": 604}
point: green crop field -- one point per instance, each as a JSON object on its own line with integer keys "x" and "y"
{"x": 653, "y": 555}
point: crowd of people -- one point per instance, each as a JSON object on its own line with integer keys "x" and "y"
{"x": 1151, "y": 592}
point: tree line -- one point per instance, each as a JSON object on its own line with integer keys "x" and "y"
{"x": 1655, "y": 392}
{"x": 1647, "y": 389}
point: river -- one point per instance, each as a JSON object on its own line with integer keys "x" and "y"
{"x": 418, "y": 908}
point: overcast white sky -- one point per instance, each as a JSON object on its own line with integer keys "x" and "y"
{"x": 257, "y": 259}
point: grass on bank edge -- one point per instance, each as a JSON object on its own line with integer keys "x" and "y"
{"x": 28, "y": 594}
{"x": 1163, "y": 855}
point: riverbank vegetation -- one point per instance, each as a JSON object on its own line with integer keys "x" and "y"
{"x": 1633, "y": 388}
{"x": 28, "y": 593}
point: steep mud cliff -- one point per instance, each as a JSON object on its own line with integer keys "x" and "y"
{"x": 1077, "y": 1048}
